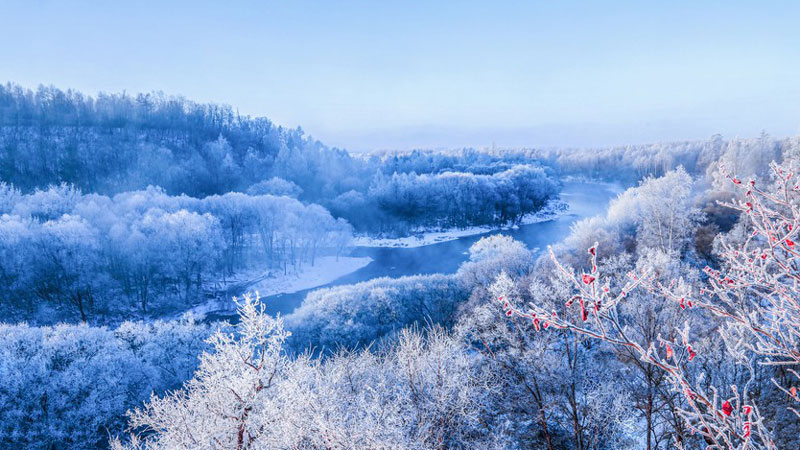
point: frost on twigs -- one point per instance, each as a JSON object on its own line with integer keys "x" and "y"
{"x": 756, "y": 293}
{"x": 214, "y": 406}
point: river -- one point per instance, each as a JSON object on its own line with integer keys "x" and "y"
{"x": 585, "y": 199}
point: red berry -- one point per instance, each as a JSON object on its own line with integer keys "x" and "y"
{"x": 588, "y": 279}
{"x": 692, "y": 353}
{"x": 727, "y": 409}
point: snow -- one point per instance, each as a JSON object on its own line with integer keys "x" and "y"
{"x": 326, "y": 269}
{"x": 428, "y": 237}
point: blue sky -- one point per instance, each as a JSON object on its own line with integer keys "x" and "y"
{"x": 378, "y": 75}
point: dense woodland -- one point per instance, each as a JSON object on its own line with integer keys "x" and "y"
{"x": 68, "y": 255}
{"x": 116, "y": 143}
{"x": 89, "y": 231}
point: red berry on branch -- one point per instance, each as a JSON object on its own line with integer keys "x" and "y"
{"x": 669, "y": 352}
{"x": 588, "y": 279}
{"x": 692, "y": 353}
{"x": 790, "y": 243}
{"x": 727, "y": 409}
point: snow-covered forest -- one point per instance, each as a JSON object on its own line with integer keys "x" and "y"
{"x": 670, "y": 320}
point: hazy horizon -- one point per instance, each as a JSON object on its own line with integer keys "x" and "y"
{"x": 365, "y": 76}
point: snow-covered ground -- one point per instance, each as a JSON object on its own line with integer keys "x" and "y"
{"x": 428, "y": 237}
{"x": 325, "y": 270}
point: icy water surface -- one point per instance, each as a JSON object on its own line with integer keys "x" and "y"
{"x": 585, "y": 199}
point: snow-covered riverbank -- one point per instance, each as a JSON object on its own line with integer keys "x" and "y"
{"x": 325, "y": 270}
{"x": 428, "y": 237}
{"x": 266, "y": 283}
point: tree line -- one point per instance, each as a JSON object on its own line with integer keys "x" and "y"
{"x": 67, "y": 254}
{"x": 407, "y": 202}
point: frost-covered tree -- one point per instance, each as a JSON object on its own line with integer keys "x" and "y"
{"x": 275, "y": 186}
{"x": 753, "y": 295}
{"x": 214, "y": 408}
{"x": 424, "y": 392}
{"x": 68, "y": 386}
{"x": 145, "y": 250}
{"x": 555, "y": 389}
{"x": 67, "y": 256}
{"x": 661, "y": 209}
{"x": 492, "y": 255}
{"x": 358, "y": 314}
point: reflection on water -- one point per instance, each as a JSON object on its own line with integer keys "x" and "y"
{"x": 585, "y": 199}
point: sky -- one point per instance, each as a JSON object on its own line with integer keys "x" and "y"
{"x": 379, "y": 75}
